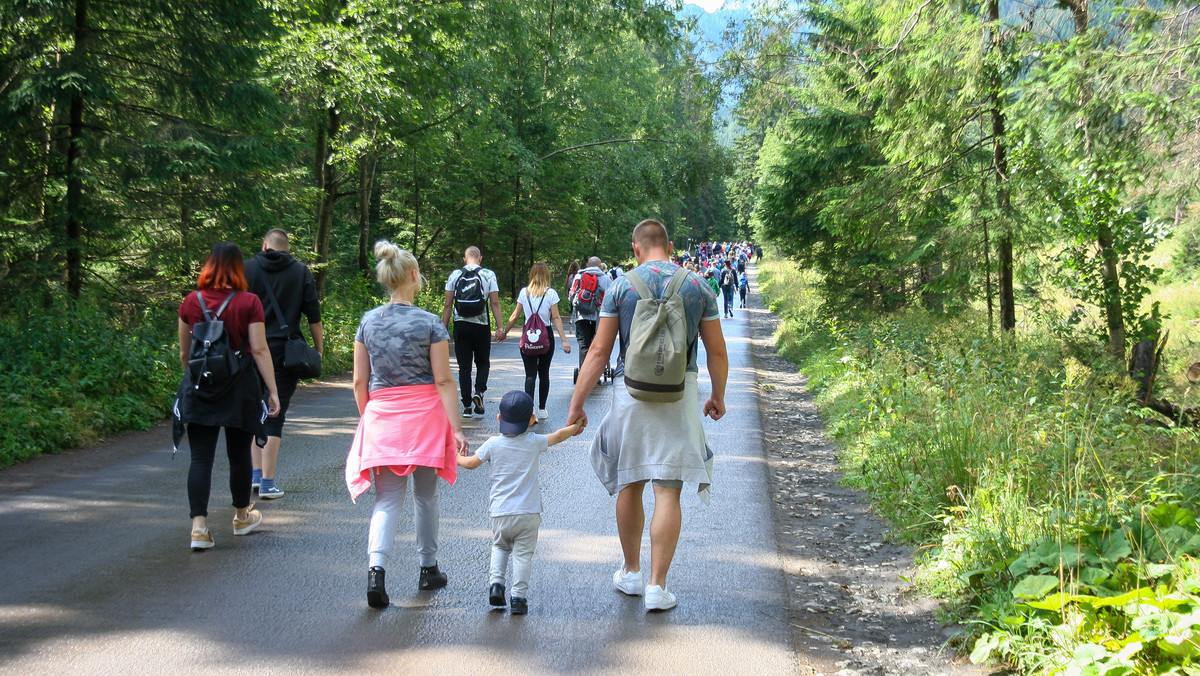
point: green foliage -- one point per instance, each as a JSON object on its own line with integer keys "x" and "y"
{"x": 1087, "y": 202}
{"x": 1051, "y": 514}
{"x": 1112, "y": 595}
{"x": 134, "y": 138}
{"x": 69, "y": 377}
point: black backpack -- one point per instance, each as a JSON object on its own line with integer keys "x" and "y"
{"x": 469, "y": 300}
{"x": 213, "y": 363}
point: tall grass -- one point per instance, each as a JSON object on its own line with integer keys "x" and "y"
{"x": 981, "y": 448}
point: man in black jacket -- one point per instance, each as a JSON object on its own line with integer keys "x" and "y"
{"x": 296, "y": 292}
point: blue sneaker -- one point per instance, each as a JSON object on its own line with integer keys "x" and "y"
{"x": 270, "y": 493}
{"x": 255, "y": 479}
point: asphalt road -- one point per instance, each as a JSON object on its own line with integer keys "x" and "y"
{"x": 96, "y": 575}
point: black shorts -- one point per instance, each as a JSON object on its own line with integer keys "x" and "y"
{"x": 273, "y": 427}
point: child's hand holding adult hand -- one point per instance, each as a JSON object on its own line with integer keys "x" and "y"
{"x": 577, "y": 417}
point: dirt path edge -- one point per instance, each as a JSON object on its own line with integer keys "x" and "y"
{"x": 851, "y": 608}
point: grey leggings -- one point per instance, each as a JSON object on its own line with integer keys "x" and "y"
{"x": 389, "y": 500}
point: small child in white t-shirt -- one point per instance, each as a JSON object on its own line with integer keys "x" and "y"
{"x": 516, "y": 499}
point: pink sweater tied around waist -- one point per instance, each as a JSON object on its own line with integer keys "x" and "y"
{"x": 402, "y": 428}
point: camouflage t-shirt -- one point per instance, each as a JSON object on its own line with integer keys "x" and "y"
{"x": 699, "y": 302}
{"x": 398, "y": 339}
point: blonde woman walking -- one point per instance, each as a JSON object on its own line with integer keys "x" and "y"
{"x": 409, "y": 422}
{"x": 537, "y": 346}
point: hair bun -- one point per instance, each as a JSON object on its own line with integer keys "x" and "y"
{"x": 385, "y": 250}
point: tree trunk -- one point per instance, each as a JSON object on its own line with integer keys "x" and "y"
{"x": 185, "y": 220}
{"x": 376, "y": 208}
{"x": 512, "y": 265}
{"x": 74, "y": 244}
{"x": 1110, "y": 279}
{"x": 931, "y": 297}
{"x": 512, "y": 283}
{"x": 329, "y": 194}
{"x": 1144, "y": 361}
{"x": 1113, "y": 314}
{"x": 987, "y": 275}
{"x": 416, "y": 237}
{"x": 1004, "y": 249}
{"x": 366, "y": 185}
{"x": 320, "y": 156}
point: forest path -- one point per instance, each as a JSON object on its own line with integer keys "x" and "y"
{"x": 98, "y": 576}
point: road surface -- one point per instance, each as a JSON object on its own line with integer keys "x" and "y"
{"x": 98, "y": 577}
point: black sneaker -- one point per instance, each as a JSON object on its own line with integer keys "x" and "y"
{"x": 432, "y": 578}
{"x": 376, "y": 594}
{"x": 519, "y": 606}
{"x": 478, "y": 401}
{"x": 468, "y": 412}
{"x": 496, "y": 595}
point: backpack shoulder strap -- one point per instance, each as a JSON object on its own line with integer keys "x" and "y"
{"x": 635, "y": 281}
{"x": 224, "y": 304}
{"x": 676, "y": 281}
{"x": 274, "y": 303}
{"x": 208, "y": 315}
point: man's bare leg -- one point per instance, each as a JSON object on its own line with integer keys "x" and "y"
{"x": 265, "y": 458}
{"x": 270, "y": 456}
{"x": 631, "y": 521}
{"x": 665, "y": 524}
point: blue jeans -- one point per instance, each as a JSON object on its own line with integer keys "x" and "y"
{"x": 727, "y": 291}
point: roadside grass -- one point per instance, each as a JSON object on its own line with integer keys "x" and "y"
{"x": 1057, "y": 524}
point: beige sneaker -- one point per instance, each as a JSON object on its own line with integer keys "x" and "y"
{"x": 201, "y": 539}
{"x": 253, "y": 519}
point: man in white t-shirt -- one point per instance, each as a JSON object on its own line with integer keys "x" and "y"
{"x": 470, "y": 291}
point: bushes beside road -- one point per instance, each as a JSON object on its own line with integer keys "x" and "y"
{"x": 70, "y": 378}
{"x": 1057, "y": 523}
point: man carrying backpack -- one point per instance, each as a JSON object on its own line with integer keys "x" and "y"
{"x": 653, "y": 431}
{"x": 470, "y": 291}
{"x": 286, "y": 288}
{"x": 587, "y": 294}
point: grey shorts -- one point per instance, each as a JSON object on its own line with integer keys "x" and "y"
{"x": 667, "y": 483}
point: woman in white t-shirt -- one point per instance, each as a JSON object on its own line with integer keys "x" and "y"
{"x": 540, "y": 299}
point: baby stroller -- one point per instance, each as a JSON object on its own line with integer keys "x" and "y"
{"x": 606, "y": 376}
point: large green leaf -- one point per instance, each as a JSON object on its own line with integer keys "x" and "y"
{"x": 1035, "y": 586}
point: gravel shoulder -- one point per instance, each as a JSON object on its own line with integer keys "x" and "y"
{"x": 852, "y": 608}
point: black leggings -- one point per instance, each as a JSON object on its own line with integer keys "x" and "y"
{"x": 202, "y": 439}
{"x": 539, "y": 367}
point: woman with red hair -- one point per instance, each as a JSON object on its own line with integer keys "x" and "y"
{"x": 236, "y": 405}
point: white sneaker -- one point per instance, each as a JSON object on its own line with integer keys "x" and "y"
{"x": 542, "y": 415}
{"x": 658, "y": 598}
{"x": 628, "y": 583}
